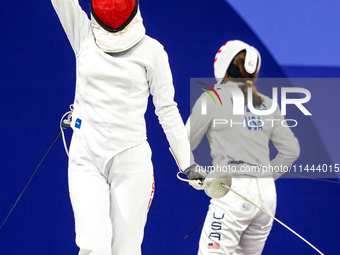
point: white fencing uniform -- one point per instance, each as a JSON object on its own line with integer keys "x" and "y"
{"x": 110, "y": 169}
{"x": 232, "y": 225}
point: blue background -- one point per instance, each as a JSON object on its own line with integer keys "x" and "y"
{"x": 37, "y": 78}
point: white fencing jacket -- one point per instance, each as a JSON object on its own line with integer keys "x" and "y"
{"x": 112, "y": 91}
{"x": 241, "y": 137}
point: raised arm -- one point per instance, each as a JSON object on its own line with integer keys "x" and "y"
{"x": 75, "y": 22}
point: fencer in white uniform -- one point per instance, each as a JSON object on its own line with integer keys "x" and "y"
{"x": 110, "y": 169}
{"x": 233, "y": 226}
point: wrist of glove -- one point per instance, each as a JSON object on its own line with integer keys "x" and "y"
{"x": 196, "y": 174}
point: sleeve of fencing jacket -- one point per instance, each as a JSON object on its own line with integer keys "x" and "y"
{"x": 198, "y": 123}
{"x": 286, "y": 144}
{"x": 75, "y": 22}
{"x": 162, "y": 89}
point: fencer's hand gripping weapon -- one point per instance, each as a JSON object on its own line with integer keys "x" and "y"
{"x": 217, "y": 187}
{"x": 64, "y": 124}
{"x": 187, "y": 165}
{"x": 195, "y": 177}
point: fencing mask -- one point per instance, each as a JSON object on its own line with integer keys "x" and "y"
{"x": 226, "y": 54}
{"x": 117, "y": 24}
{"x": 114, "y": 15}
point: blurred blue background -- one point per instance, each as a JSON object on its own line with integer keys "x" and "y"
{"x": 37, "y": 76}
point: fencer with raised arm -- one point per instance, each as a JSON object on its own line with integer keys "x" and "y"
{"x": 110, "y": 169}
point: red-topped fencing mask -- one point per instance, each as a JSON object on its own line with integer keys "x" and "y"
{"x": 114, "y": 15}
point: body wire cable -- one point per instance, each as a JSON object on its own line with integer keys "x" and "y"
{"x": 30, "y": 180}
{"x": 64, "y": 124}
{"x": 194, "y": 229}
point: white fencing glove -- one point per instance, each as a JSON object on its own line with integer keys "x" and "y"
{"x": 196, "y": 174}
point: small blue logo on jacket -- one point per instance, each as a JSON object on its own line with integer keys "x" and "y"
{"x": 78, "y": 123}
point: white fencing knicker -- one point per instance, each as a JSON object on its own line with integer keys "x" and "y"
{"x": 110, "y": 218}
{"x": 233, "y": 225}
